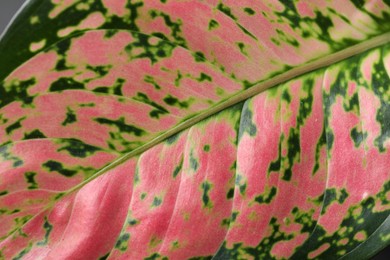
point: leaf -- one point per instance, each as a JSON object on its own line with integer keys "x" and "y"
{"x": 149, "y": 130}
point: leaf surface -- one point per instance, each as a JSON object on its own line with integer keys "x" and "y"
{"x": 148, "y": 130}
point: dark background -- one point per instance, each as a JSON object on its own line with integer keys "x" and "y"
{"x": 8, "y": 8}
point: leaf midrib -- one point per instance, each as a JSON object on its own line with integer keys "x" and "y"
{"x": 245, "y": 94}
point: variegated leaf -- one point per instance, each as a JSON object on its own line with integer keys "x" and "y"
{"x": 149, "y": 130}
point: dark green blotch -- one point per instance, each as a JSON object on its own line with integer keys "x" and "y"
{"x": 14, "y": 126}
{"x": 206, "y": 187}
{"x": 172, "y": 139}
{"x": 121, "y": 125}
{"x": 30, "y": 179}
{"x": 249, "y": 11}
{"x": 6, "y": 155}
{"x": 193, "y": 162}
{"x": 36, "y": 134}
{"x": 201, "y": 258}
{"x": 156, "y": 202}
{"x": 121, "y": 243}
{"x": 246, "y": 124}
{"x": 59, "y": 196}
{"x": 17, "y": 163}
{"x": 172, "y": 101}
{"x": 22, "y": 253}
{"x": 286, "y": 96}
{"x": 230, "y": 194}
{"x": 247, "y": 32}
{"x": 16, "y": 92}
{"x": 156, "y": 256}
{"x": 149, "y": 79}
{"x": 105, "y": 257}
{"x": 206, "y": 148}
{"x": 266, "y": 198}
{"x": 321, "y": 142}
{"x": 333, "y": 195}
{"x": 380, "y": 79}
{"x": 353, "y": 103}
{"x": 132, "y": 222}
{"x": 48, "y": 228}
{"x": 276, "y": 165}
{"x": 4, "y": 192}
{"x": 357, "y": 136}
{"x": 213, "y": 24}
{"x": 204, "y": 77}
{"x": 293, "y": 151}
{"x": 100, "y": 70}
{"x": 241, "y": 186}
{"x": 64, "y": 84}
{"x": 199, "y": 56}
{"x": 226, "y": 10}
{"x": 70, "y": 117}
{"x": 241, "y": 46}
{"x": 54, "y": 166}
{"x": 158, "y": 109}
{"x": 178, "y": 168}
{"x": 78, "y": 148}
{"x": 109, "y": 33}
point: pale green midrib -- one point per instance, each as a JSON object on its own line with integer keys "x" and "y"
{"x": 250, "y": 92}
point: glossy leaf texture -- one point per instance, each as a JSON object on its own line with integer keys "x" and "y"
{"x": 127, "y": 130}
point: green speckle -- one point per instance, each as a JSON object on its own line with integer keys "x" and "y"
{"x": 206, "y": 148}
{"x": 4, "y": 192}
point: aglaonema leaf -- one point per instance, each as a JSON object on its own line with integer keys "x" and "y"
{"x": 149, "y": 130}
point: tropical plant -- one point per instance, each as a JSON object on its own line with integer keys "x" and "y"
{"x": 195, "y": 130}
